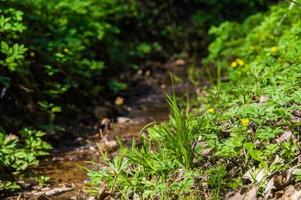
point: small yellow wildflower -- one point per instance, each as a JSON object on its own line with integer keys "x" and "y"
{"x": 234, "y": 64}
{"x": 274, "y": 50}
{"x": 240, "y": 61}
{"x": 245, "y": 122}
{"x": 66, "y": 50}
{"x": 211, "y": 110}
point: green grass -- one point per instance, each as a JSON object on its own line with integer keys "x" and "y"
{"x": 145, "y": 170}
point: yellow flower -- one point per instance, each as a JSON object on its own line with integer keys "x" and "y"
{"x": 240, "y": 61}
{"x": 234, "y": 64}
{"x": 211, "y": 110}
{"x": 66, "y": 50}
{"x": 274, "y": 50}
{"x": 245, "y": 122}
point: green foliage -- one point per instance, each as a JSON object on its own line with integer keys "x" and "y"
{"x": 117, "y": 86}
{"x": 20, "y": 153}
{"x": 254, "y": 110}
{"x": 59, "y": 49}
{"x": 247, "y": 125}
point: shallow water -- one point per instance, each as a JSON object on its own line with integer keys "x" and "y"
{"x": 68, "y": 168}
{"x": 145, "y": 103}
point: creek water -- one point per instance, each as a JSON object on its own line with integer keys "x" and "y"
{"x": 68, "y": 168}
{"x": 144, "y": 102}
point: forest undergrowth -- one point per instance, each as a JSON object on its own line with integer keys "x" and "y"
{"x": 239, "y": 138}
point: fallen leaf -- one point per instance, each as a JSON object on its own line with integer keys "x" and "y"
{"x": 251, "y": 194}
{"x": 268, "y": 189}
{"x": 291, "y": 193}
{"x": 286, "y": 135}
{"x": 234, "y": 195}
{"x": 119, "y": 101}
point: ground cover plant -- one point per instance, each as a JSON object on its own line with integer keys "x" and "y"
{"x": 241, "y": 135}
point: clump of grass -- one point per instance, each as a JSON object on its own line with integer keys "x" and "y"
{"x": 177, "y": 136}
{"x": 160, "y": 166}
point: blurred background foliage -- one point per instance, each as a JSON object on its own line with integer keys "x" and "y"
{"x": 67, "y": 52}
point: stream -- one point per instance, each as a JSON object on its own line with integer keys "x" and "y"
{"x": 143, "y": 103}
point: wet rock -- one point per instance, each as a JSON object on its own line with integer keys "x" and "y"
{"x": 107, "y": 145}
{"x": 123, "y": 120}
{"x": 180, "y": 62}
{"x": 92, "y": 148}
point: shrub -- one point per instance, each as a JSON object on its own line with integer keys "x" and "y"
{"x": 18, "y": 153}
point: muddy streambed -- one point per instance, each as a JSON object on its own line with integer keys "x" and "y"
{"x": 143, "y": 102}
{"x": 67, "y": 169}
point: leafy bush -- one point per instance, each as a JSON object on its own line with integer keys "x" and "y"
{"x": 247, "y": 126}
{"x": 17, "y": 154}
